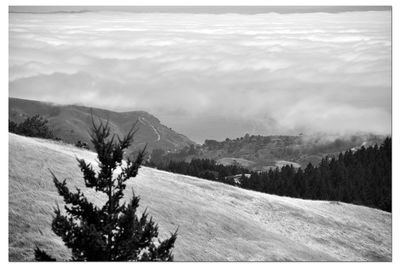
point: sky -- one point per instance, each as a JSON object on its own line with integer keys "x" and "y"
{"x": 212, "y": 76}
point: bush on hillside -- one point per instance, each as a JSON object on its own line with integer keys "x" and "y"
{"x": 34, "y": 126}
{"x": 81, "y": 144}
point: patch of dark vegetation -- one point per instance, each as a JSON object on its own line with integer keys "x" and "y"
{"x": 35, "y": 126}
{"x": 203, "y": 168}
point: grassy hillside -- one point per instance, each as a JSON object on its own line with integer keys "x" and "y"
{"x": 217, "y": 222}
{"x": 71, "y": 123}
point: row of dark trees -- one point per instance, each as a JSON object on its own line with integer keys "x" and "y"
{"x": 361, "y": 177}
{"x": 34, "y": 126}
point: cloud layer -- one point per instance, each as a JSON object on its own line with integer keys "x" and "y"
{"x": 212, "y": 76}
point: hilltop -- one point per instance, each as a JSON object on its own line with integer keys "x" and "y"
{"x": 217, "y": 222}
{"x": 71, "y": 123}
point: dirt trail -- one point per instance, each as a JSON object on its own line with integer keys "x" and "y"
{"x": 145, "y": 121}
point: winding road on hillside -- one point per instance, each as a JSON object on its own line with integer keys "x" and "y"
{"x": 144, "y": 121}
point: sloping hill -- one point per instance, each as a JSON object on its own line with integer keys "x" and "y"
{"x": 217, "y": 222}
{"x": 71, "y": 123}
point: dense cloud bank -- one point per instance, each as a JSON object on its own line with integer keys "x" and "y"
{"x": 212, "y": 76}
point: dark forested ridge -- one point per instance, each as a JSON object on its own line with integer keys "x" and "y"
{"x": 360, "y": 177}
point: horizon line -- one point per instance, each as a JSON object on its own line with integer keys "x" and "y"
{"x": 196, "y": 9}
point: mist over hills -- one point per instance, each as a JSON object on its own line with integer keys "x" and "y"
{"x": 72, "y": 122}
{"x": 196, "y": 72}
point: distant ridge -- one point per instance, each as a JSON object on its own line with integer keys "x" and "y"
{"x": 71, "y": 123}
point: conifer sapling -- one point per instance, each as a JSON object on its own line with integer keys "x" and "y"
{"x": 113, "y": 232}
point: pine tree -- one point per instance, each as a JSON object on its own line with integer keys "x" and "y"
{"x": 113, "y": 232}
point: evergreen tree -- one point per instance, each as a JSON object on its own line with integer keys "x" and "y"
{"x": 112, "y": 232}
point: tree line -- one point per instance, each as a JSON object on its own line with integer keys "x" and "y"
{"x": 360, "y": 177}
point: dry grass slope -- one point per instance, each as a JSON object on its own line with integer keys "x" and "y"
{"x": 216, "y": 222}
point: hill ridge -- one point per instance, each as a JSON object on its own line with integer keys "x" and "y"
{"x": 71, "y": 123}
